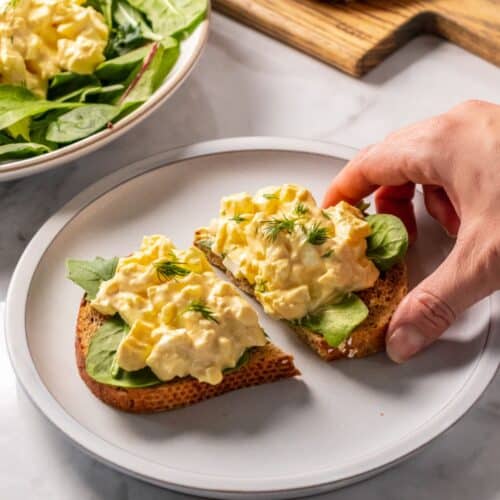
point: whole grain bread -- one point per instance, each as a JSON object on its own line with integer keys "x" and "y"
{"x": 266, "y": 364}
{"x": 369, "y": 337}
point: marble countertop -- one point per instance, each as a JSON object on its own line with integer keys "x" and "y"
{"x": 248, "y": 84}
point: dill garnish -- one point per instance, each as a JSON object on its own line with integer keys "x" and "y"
{"x": 270, "y": 196}
{"x": 317, "y": 234}
{"x": 166, "y": 269}
{"x": 200, "y": 307}
{"x": 237, "y": 218}
{"x": 261, "y": 287}
{"x": 325, "y": 214}
{"x": 300, "y": 209}
{"x": 363, "y": 206}
{"x": 274, "y": 226}
{"x": 206, "y": 244}
{"x": 327, "y": 254}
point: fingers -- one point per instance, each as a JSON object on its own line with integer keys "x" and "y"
{"x": 393, "y": 162}
{"x": 397, "y": 200}
{"x": 440, "y": 207}
{"x": 429, "y": 309}
{"x": 349, "y": 185}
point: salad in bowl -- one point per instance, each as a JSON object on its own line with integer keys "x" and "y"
{"x": 70, "y": 69}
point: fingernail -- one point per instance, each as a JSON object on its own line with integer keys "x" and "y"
{"x": 406, "y": 341}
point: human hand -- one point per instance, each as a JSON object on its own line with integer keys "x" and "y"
{"x": 456, "y": 158}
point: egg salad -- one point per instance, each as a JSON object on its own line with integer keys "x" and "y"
{"x": 184, "y": 320}
{"x": 297, "y": 256}
{"x": 40, "y": 38}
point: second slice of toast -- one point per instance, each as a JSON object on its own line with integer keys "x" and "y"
{"x": 369, "y": 337}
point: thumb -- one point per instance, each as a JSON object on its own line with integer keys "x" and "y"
{"x": 428, "y": 310}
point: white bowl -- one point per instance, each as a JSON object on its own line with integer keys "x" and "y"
{"x": 190, "y": 52}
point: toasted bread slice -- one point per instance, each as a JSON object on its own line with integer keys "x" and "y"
{"x": 266, "y": 364}
{"x": 369, "y": 337}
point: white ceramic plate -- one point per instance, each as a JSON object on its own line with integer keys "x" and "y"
{"x": 190, "y": 52}
{"x": 337, "y": 424}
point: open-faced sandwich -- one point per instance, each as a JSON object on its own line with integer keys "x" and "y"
{"x": 158, "y": 330}
{"x": 335, "y": 275}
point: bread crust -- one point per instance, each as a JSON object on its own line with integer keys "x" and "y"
{"x": 266, "y": 364}
{"x": 369, "y": 337}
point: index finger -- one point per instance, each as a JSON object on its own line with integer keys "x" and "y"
{"x": 386, "y": 164}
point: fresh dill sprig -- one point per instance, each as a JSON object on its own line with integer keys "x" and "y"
{"x": 206, "y": 243}
{"x": 300, "y": 209}
{"x": 327, "y": 254}
{"x": 274, "y": 226}
{"x": 325, "y": 214}
{"x": 363, "y": 206}
{"x": 237, "y": 218}
{"x": 261, "y": 287}
{"x": 270, "y": 196}
{"x": 167, "y": 269}
{"x": 199, "y": 307}
{"x": 317, "y": 234}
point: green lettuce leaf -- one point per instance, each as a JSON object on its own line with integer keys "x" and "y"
{"x": 18, "y": 150}
{"x": 388, "y": 243}
{"x": 89, "y": 274}
{"x": 101, "y": 358}
{"x": 81, "y": 122}
{"x": 336, "y": 321}
{"x": 18, "y": 103}
{"x": 175, "y": 18}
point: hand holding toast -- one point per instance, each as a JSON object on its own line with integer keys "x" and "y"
{"x": 456, "y": 158}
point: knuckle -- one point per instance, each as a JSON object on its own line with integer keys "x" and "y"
{"x": 433, "y": 311}
{"x": 470, "y": 105}
{"x": 489, "y": 265}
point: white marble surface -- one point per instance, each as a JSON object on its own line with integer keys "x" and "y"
{"x": 248, "y": 84}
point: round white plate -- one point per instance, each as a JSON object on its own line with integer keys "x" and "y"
{"x": 337, "y": 424}
{"x": 190, "y": 52}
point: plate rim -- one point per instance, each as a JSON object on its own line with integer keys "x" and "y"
{"x": 484, "y": 370}
{"x": 30, "y": 166}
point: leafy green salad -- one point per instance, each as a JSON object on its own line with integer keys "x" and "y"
{"x": 142, "y": 48}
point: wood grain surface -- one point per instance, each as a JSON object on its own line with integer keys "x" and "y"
{"x": 356, "y": 36}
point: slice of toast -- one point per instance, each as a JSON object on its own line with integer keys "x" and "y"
{"x": 266, "y": 364}
{"x": 369, "y": 337}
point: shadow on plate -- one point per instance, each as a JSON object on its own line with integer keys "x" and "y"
{"x": 242, "y": 412}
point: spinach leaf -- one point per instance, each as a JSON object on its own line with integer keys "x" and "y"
{"x": 76, "y": 95}
{"x": 39, "y": 127}
{"x": 20, "y": 130}
{"x": 21, "y": 150}
{"x": 243, "y": 360}
{"x": 89, "y": 274}
{"x": 154, "y": 75}
{"x": 175, "y": 18}
{"x": 336, "y": 321}
{"x": 81, "y": 122}
{"x": 130, "y": 30}
{"x": 64, "y": 84}
{"x": 107, "y": 94}
{"x": 101, "y": 358}
{"x": 119, "y": 68}
{"x": 5, "y": 138}
{"x": 388, "y": 242}
{"x": 18, "y": 103}
{"x": 126, "y": 109}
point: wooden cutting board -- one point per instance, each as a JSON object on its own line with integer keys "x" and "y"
{"x": 358, "y": 35}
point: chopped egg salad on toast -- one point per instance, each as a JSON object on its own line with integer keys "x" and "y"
{"x": 304, "y": 264}
{"x": 179, "y": 319}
